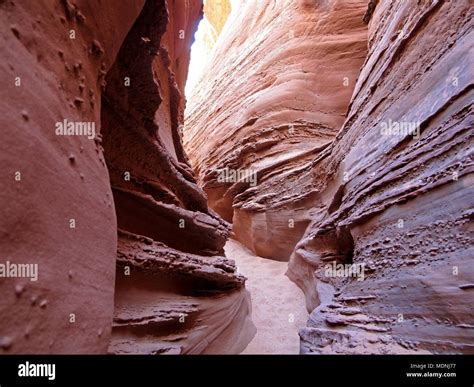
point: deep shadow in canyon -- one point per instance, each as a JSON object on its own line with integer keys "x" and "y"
{"x": 175, "y": 291}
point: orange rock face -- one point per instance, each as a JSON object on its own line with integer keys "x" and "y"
{"x": 335, "y": 135}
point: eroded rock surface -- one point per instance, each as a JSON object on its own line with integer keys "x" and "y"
{"x": 272, "y": 98}
{"x": 176, "y": 292}
{"x": 344, "y": 187}
{"x": 122, "y": 67}
{"x": 292, "y": 99}
{"x": 399, "y": 204}
{"x": 57, "y": 208}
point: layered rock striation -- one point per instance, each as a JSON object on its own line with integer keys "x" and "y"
{"x": 396, "y": 194}
{"x": 373, "y": 206}
{"x": 271, "y": 100}
{"x": 333, "y": 134}
{"x": 176, "y": 292}
{"x": 92, "y": 108}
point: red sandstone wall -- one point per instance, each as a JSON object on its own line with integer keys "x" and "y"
{"x": 73, "y": 58}
{"x": 337, "y": 189}
{"x": 69, "y": 309}
{"x": 272, "y": 98}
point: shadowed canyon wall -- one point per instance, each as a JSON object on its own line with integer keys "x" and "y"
{"x": 176, "y": 292}
{"x": 57, "y": 207}
{"x": 120, "y": 66}
{"x": 356, "y": 189}
{"x": 334, "y": 134}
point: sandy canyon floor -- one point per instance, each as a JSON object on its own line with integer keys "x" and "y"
{"x": 278, "y": 307}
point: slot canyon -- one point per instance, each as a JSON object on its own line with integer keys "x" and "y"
{"x": 237, "y": 176}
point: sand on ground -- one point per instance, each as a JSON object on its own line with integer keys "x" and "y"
{"x": 278, "y": 306}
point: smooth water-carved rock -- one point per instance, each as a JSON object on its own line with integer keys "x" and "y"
{"x": 57, "y": 207}
{"x": 93, "y": 98}
{"x": 336, "y": 134}
{"x": 270, "y": 101}
{"x": 373, "y": 205}
{"x": 176, "y": 292}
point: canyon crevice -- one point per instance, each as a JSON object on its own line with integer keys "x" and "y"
{"x": 175, "y": 291}
{"x": 297, "y": 102}
{"x": 275, "y": 99}
{"x": 126, "y": 201}
{"x": 328, "y": 135}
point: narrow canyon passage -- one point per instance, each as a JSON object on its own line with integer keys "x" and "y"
{"x": 317, "y": 128}
{"x": 278, "y": 307}
{"x": 331, "y": 140}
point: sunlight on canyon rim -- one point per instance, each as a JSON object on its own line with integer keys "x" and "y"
{"x": 215, "y": 15}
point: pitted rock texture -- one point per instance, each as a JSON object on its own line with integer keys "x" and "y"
{"x": 172, "y": 274}
{"x": 121, "y": 66}
{"x": 48, "y": 180}
{"x": 399, "y": 204}
{"x": 271, "y": 100}
{"x": 290, "y": 96}
{"x": 343, "y": 189}
{"x": 171, "y": 302}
